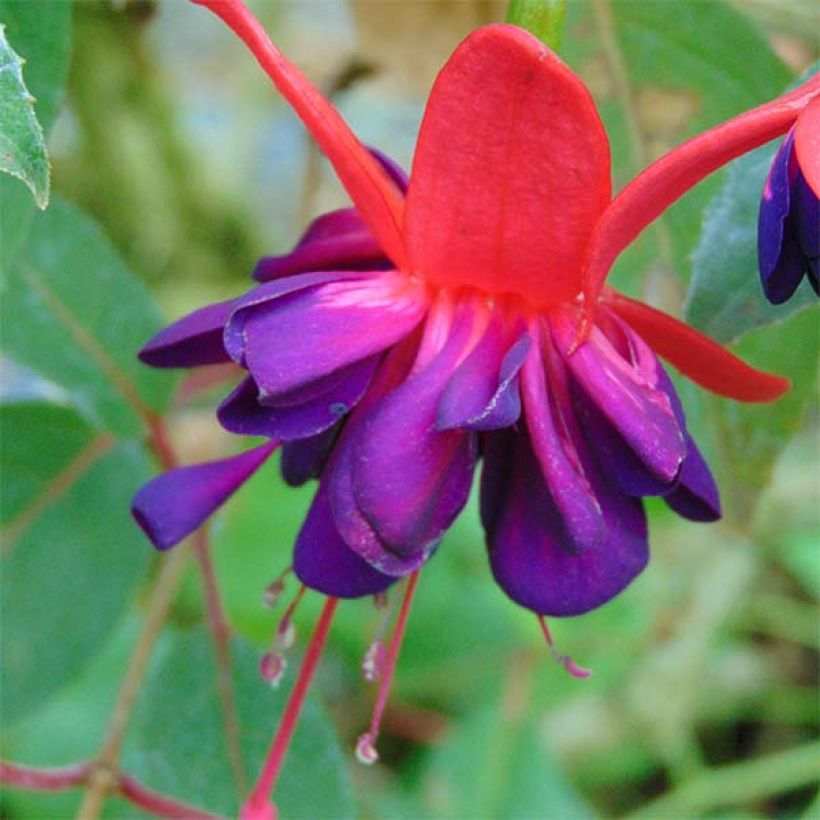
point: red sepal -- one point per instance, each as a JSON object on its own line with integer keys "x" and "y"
{"x": 705, "y": 362}
{"x": 666, "y": 180}
{"x": 807, "y": 144}
{"x": 511, "y": 171}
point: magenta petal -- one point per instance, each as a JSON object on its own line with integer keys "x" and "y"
{"x": 338, "y": 240}
{"x": 194, "y": 340}
{"x": 174, "y": 504}
{"x": 527, "y": 558}
{"x": 552, "y": 433}
{"x": 267, "y": 298}
{"x": 290, "y": 342}
{"x": 242, "y": 413}
{"x": 483, "y": 392}
{"x": 627, "y": 394}
{"x": 410, "y": 480}
{"x": 696, "y": 496}
{"x": 322, "y": 560}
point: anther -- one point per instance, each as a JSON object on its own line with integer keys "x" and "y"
{"x": 272, "y": 667}
{"x": 365, "y": 750}
{"x": 273, "y": 591}
{"x": 286, "y": 631}
{"x": 366, "y": 745}
{"x": 374, "y": 661}
{"x": 565, "y": 660}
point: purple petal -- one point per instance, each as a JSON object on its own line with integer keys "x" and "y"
{"x": 527, "y": 557}
{"x": 338, "y": 240}
{"x": 194, "y": 340}
{"x": 354, "y": 529}
{"x": 627, "y": 394}
{"x": 305, "y": 459}
{"x": 553, "y": 435}
{"x": 288, "y": 343}
{"x": 483, "y": 392}
{"x": 334, "y": 241}
{"x": 174, "y": 504}
{"x": 780, "y": 259}
{"x": 807, "y": 227}
{"x": 242, "y": 412}
{"x": 696, "y": 496}
{"x": 268, "y": 297}
{"x": 322, "y": 561}
{"x": 410, "y": 480}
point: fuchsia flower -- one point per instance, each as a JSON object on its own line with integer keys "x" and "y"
{"x": 788, "y": 237}
{"x": 462, "y": 316}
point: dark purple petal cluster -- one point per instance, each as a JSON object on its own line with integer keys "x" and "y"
{"x": 788, "y": 237}
{"x": 391, "y": 394}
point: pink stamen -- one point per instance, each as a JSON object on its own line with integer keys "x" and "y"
{"x": 272, "y": 667}
{"x": 273, "y": 591}
{"x": 286, "y": 631}
{"x": 258, "y": 806}
{"x": 366, "y": 746}
{"x": 568, "y": 663}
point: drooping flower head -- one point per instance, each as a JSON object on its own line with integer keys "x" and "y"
{"x": 458, "y": 316}
{"x": 788, "y": 236}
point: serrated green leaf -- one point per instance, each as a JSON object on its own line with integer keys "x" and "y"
{"x": 177, "y": 744}
{"x": 41, "y": 34}
{"x": 22, "y": 143}
{"x": 725, "y": 298}
{"x": 75, "y": 314}
{"x": 65, "y": 493}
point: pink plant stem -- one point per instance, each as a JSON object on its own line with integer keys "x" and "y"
{"x": 158, "y": 804}
{"x": 257, "y": 804}
{"x": 78, "y": 774}
{"x": 44, "y": 780}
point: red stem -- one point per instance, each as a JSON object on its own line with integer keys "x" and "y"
{"x": 44, "y": 780}
{"x": 257, "y": 804}
{"x": 158, "y": 804}
{"x": 78, "y": 774}
{"x": 650, "y": 193}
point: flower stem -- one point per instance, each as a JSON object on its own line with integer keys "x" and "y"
{"x": 257, "y": 803}
{"x": 543, "y": 18}
{"x": 102, "y": 779}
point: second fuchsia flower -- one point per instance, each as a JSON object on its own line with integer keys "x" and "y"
{"x": 462, "y": 316}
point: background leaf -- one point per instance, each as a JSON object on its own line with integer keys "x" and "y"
{"x": 660, "y": 73}
{"x": 177, "y": 744}
{"x": 40, "y": 33}
{"x": 22, "y": 144}
{"x": 72, "y": 557}
{"x": 76, "y": 315}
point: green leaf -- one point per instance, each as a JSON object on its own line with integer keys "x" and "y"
{"x": 543, "y": 18}
{"x": 76, "y": 315}
{"x": 72, "y": 557}
{"x": 725, "y": 298}
{"x": 660, "y": 73}
{"x": 22, "y": 144}
{"x": 744, "y": 441}
{"x": 496, "y": 765}
{"x": 41, "y": 34}
{"x": 177, "y": 744}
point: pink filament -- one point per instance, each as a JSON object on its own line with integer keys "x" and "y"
{"x": 568, "y": 663}
{"x": 257, "y": 805}
{"x": 366, "y": 746}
